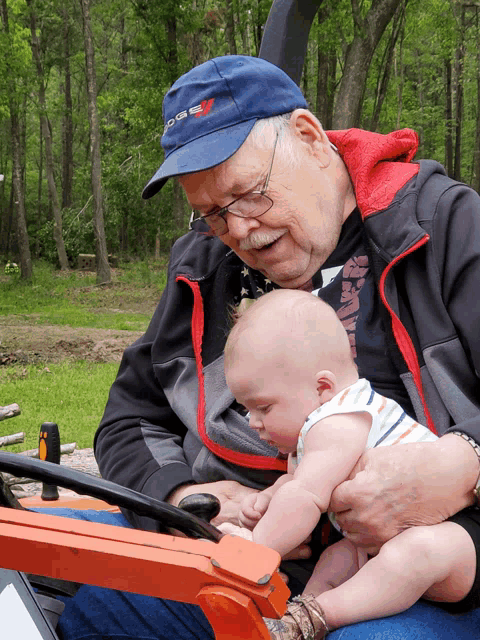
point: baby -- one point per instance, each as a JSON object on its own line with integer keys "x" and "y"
{"x": 288, "y": 361}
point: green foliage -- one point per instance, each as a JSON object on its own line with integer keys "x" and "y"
{"x": 77, "y": 236}
{"x": 142, "y": 47}
{"x": 72, "y": 394}
{"x": 11, "y": 268}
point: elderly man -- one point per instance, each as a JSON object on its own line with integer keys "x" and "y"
{"x": 276, "y": 202}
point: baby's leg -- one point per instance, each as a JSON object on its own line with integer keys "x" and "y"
{"x": 338, "y": 563}
{"x": 438, "y": 561}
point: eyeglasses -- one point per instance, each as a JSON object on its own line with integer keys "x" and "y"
{"x": 251, "y": 205}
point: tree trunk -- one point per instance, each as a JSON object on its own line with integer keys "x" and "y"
{"x": 67, "y": 125}
{"x": 476, "y": 151}
{"x": 123, "y": 47}
{"x": 4, "y": 209}
{"x": 242, "y": 24}
{"x": 382, "y": 85}
{"x": 367, "y": 34}
{"x": 257, "y": 29}
{"x": 459, "y": 62}
{"x": 449, "y": 118}
{"x": 47, "y": 136}
{"x": 172, "y": 52}
{"x": 400, "y": 76}
{"x": 19, "y": 197}
{"x": 326, "y": 73}
{"x": 196, "y": 42}
{"x": 18, "y": 183}
{"x": 40, "y": 172}
{"x": 230, "y": 28}
{"x": 103, "y": 268}
{"x": 178, "y": 209}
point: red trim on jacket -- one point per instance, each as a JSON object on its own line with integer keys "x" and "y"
{"x": 241, "y": 459}
{"x": 379, "y": 165}
{"x": 401, "y": 336}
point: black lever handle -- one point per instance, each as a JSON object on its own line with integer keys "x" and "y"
{"x": 203, "y": 505}
{"x": 49, "y": 449}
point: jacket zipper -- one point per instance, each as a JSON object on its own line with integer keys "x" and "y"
{"x": 400, "y": 333}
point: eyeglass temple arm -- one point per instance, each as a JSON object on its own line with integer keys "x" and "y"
{"x": 285, "y": 36}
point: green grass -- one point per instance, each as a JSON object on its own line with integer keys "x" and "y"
{"x": 75, "y": 317}
{"x": 73, "y": 299}
{"x": 71, "y": 394}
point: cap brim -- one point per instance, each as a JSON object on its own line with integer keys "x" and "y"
{"x": 200, "y": 154}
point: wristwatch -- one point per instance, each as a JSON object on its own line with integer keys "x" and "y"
{"x": 476, "y": 448}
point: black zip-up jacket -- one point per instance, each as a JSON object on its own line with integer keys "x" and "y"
{"x": 170, "y": 418}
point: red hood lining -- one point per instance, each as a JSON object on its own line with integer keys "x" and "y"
{"x": 379, "y": 165}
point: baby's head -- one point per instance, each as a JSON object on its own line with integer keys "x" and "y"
{"x": 285, "y": 356}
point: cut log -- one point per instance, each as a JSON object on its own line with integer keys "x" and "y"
{"x": 64, "y": 449}
{"x": 9, "y": 411}
{"x": 11, "y": 481}
{"x": 14, "y": 438}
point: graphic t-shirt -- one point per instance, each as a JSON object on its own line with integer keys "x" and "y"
{"x": 354, "y": 296}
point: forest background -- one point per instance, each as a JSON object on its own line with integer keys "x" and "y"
{"x": 81, "y": 88}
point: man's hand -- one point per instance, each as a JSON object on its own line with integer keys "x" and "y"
{"x": 230, "y": 493}
{"x": 393, "y": 488}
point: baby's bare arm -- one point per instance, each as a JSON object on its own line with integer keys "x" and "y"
{"x": 255, "y": 505}
{"x": 332, "y": 447}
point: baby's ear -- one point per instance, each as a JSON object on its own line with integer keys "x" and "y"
{"x": 326, "y": 385}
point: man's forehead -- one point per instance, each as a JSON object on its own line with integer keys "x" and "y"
{"x": 238, "y": 174}
{"x": 243, "y": 167}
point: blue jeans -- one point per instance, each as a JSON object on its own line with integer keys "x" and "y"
{"x": 96, "y": 613}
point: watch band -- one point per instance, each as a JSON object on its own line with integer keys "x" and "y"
{"x": 476, "y": 448}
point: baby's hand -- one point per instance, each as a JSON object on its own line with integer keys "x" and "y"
{"x": 233, "y": 530}
{"x": 252, "y": 509}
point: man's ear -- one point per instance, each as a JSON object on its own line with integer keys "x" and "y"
{"x": 309, "y": 131}
{"x": 326, "y": 385}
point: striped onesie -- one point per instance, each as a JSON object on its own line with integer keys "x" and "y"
{"x": 390, "y": 423}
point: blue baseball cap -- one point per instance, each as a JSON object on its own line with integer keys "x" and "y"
{"x": 210, "y": 111}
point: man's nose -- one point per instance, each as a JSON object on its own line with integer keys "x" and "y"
{"x": 239, "y": 227}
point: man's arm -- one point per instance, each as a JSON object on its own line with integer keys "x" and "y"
{"x": 332, "y": 447}
{"x": 138, "y": 443}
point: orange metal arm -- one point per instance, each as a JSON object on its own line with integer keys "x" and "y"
{"x": 235, "y": 581}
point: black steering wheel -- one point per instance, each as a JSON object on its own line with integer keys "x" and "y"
{"x": 184, "y": 519}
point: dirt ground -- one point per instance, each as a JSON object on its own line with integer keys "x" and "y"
{"x": 24, "y": 339}
{"x": 21, "y": 344}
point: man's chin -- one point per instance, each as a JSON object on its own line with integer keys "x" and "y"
{"x": 289, "y": 281}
